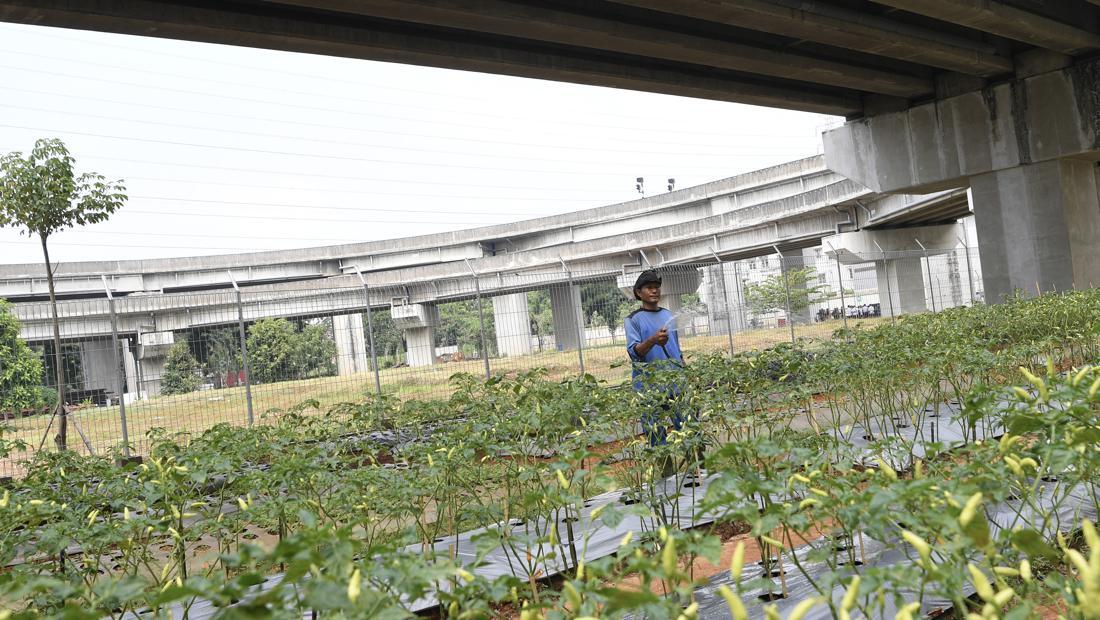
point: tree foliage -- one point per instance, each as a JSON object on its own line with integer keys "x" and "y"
{"x": 604, "y": 304}
{"x": 20, "y": 368}
{"x": 770, "y": 294}
{"x": 219, "y": 348}
{"x": 181, "y": 371}
{"x": 460, "y": 325}
{"x": 389, "y": 339}
{"x": 41, "y": 193}
{"x": 278, "y": 351}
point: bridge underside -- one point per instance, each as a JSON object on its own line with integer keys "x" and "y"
{"x": 843, "y": 57}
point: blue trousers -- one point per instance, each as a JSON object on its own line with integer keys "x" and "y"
{"x": 655, "y": 423}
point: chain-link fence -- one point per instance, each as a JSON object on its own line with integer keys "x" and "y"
{"x": 180, "y": 363}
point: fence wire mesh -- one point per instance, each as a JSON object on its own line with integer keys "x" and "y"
{"x": 177, "y": 364}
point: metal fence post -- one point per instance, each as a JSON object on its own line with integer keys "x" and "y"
{"x": 370, "y": 333}
{"x": 480, "y": 320}
{"x": 889, "y": 292}
{"x": 580, "y": 322}
{"x": 740, "y": 296}
{"x": 969, "y": 273}
{"x": 119, "y": 372}
{"x": 725, "y": 297}
{"x": 787, "y": 291}
{"x": 244, "y": 349}
{"x": 928, "y": 265}
{"x": 840, "y": 285}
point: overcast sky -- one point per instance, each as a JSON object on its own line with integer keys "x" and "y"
{"x": 227, "y": 149}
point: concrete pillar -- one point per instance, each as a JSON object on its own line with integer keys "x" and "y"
{"x": 565, "y": 306}
{"x": 900, "y": 275}
{"x": 901, "y": 288}
{"x": 1038, "y": 227}
{"x": 418, "y": 322}
{"x": 420, "y": 346}
{"x": 794, "y": 260}
{"x": 129, "y": 364}
{"x": 352, "y": 354}
{"x": 712, "y": 295}
{"x": 152, "y": 369}
{"x": 97, "y": 363}
{"x": 512, "y": 321}
{"x": 152, "y": 356}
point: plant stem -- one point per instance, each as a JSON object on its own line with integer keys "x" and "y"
{"x": 59, "y": 370}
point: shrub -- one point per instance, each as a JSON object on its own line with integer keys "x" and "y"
{"x": 181, "y": 371}
{"x": 20, "y": 367}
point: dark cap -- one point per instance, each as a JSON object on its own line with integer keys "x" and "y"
{"x": 646, "y": 277}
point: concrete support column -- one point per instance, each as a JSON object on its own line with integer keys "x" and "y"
{"x": 418, "y": 322}
{"x": 152, "y": 369}
{"x": 97, "y": 362}
{"x": 711, "y": 293}
{"x": 352, "y": 354}
{"x": 513, "y": 324}
{"x": 901, "y": 288}
{"x": 420, "y": 343}
{"x": 1038, "y": 227}
{"x": 899, "y": 261}
{"x": 793, "y": 261}
{"x": 565, "y": 306}
{"x": 129, "y": 365}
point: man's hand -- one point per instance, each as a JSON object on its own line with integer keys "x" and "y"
{"x": 661, "y": 337}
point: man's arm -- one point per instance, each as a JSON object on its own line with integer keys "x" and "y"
{"x": 639, "y": 348}
{"x": 644, "y": 347}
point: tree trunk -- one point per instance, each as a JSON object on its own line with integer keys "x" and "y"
{"x": 59, "y": 368}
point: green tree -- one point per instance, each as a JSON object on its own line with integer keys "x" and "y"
{"x": 20, "y": 366}
{"x": 278, "y": 351}
{"x": 41, "y": 194}
{"x": 602, "y": 304}
{"x": 389, "y": 339}
{"x": 220, "y": 350}
{"x": 770, "y": 294}
{"x": 181, "y": 371}
{"x": 460, "y": 325}
{"x": 316, "y": 351}
{"x": 272, "y": 350}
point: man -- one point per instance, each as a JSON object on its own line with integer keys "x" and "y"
{"x": 654, "y": 346}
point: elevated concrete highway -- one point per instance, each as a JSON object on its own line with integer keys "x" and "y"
{"x": 789, "y": 207}
{"x": 28, "y": 282}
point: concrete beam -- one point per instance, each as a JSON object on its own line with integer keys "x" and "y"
{"x": 846, "y": 28}
{"x": 550, "y": 25}
{"x": 340, "y": 34}
{"x": 866, "y": 245}
{"x": 1005, "y": 20}
{"x": 939, "y": 145}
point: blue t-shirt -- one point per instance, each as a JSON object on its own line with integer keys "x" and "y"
{"x": 640, "y": 325}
